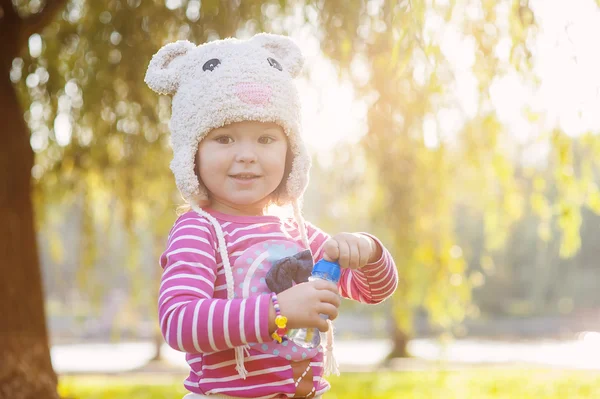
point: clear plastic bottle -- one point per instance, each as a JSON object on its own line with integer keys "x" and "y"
{"x": 310, "y": 337}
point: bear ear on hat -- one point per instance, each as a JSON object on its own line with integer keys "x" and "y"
{"x": 284, "y": 48}
{"x": 163, "y": 74}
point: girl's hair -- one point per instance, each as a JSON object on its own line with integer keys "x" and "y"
{"x": 275, "y": 198}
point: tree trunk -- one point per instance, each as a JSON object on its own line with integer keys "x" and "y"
{"x": 399, "y": 343}
{"x": 25, "y": 368}
{"x": 158, "y": 342}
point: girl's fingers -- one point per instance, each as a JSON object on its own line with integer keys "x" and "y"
{"x": 324, "y": 285}
{"x": 326, "y": 296}
{"x": 344, "y": 258}
{"x": 331, "y": 251}
{"x": 365, "y": 251}
{"x": 354, "y": 260}
{"x": 328, "y": 309}
{"x": 322, "y": 324}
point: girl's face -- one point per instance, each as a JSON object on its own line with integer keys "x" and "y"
{"x": 241, "y": 164}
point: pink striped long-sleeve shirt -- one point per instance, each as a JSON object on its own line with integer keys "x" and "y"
{"x": 197, "y": 318}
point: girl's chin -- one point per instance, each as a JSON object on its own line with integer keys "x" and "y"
{"x": 256, "y": 201}
{"x": 251, "y": 202}
{"x": 248, "y": 197}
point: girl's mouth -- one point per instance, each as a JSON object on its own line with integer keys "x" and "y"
{"x": 244, "y": 177}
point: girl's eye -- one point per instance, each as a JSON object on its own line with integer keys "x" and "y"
{"x": 266, "y": 140}
{"x": 224, "y": 140}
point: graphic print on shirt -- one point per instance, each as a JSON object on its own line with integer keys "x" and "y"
{"x": 249, "y": 273}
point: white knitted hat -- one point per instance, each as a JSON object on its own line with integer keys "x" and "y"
{"x": 227, "y": 81}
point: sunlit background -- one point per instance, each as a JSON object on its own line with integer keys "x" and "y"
{"x": 463, "y": 133}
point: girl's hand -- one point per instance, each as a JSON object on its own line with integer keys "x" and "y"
{"x": 303, "y": 303}
{"x": 351, "y": 250}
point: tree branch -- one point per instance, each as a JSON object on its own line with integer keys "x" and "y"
{"x": 10, "y": 23}
{"x": 36, "y": 23}
{"x": 7, "y": 10}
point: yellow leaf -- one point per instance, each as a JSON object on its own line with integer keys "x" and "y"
{"x": 593, "y": 201}
{"x": 396, "y": 50}
{"x": 570, "y": 244}
{"x": 540, "y": 206}
{"x": 346, "y": 47}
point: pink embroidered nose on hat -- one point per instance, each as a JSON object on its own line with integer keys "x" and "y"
{"x": 253, "y": 93}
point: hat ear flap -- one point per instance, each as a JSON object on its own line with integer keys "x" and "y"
{"x": 285, "y": 50}
{"x": 163, "y": 74}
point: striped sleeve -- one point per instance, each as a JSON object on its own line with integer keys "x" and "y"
{"x": 316, "y": 239}
{"x": 372, "y": 284}
{"x": 191, "y": 320}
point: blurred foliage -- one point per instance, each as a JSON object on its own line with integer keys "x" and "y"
{"x": 424, "y": 189}
{"x": 417, "y": 185}
{"x": 478, "y": 383}
{"x": 101, "y": 137}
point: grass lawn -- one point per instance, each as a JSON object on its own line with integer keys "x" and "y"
{"x": 479, "y": 383}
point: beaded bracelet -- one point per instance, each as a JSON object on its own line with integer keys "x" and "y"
{"x": 280, "y": 321}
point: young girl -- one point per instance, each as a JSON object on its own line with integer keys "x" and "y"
{"x": 237, "y": 148}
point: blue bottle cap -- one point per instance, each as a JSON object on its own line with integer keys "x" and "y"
{"x": 329, "y": 270}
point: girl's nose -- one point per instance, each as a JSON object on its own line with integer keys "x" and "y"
{"x": 246, "y": 154}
